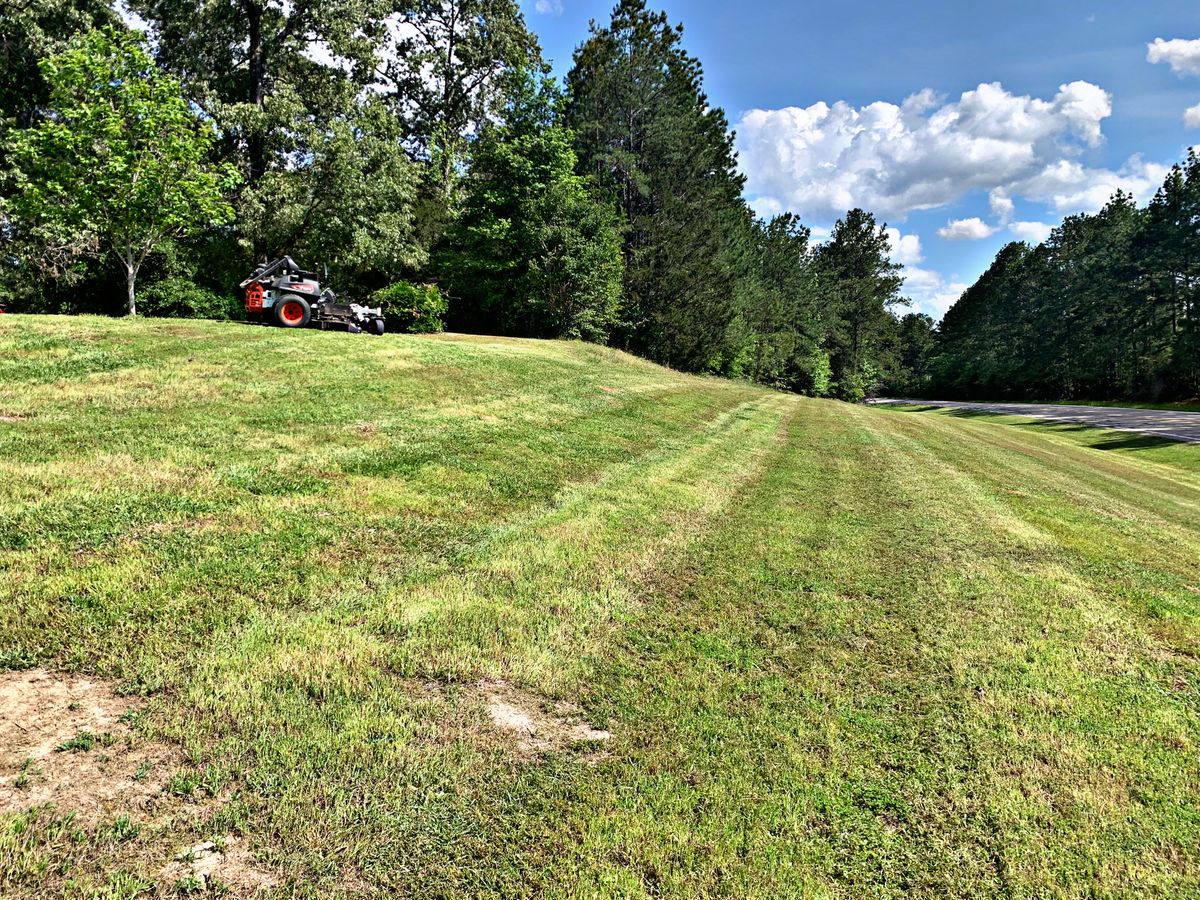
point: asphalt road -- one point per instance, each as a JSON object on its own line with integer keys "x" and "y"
{"x": 1165, "y": 423}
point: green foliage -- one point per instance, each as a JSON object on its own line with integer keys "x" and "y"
{"x": 859, "y": 283}
{"x": 787, "y": 322}
{"x": 117, "y": 163}
{"x": 326, "y": 175}
{"x": 182, "y": 298}
{"x": 417, "y": 308}
{"x": 535, "y": 251}
{"x": 812, "y": 374}
{"x": 348, "y": 204}
{"x": 914, "y": 344}
{"x": 645, "y": 129}
{"x": 1107, "y": 308}
{"x": 442, "y": 97}
{"x": 30, "y": 31}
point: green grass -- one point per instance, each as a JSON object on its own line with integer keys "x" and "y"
{"x": 842, "y": 651}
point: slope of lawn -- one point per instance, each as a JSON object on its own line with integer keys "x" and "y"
{"x": 840, "y": 651}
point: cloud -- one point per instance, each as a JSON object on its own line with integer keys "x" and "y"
{"x": 1182, "y": 56}
{"x": 1071, "y": 187}
{"x": 906, "y": 248}
{"x": 549, "y": 7}
{"x": 1191, "y": 116}
{"x": 930, "y": 292}
{"x": 929, "y": 152}
{"x": 1034, "y": 232}
{"x": 1002, "y": 205}
{"x": 972, "y": 229}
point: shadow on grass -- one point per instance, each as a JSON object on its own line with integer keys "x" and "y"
{"x": 1104, "y": 439}
{"x": 1125, "y": 441}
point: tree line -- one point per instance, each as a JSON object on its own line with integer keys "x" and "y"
{"x": 421, "y": 144}
{"x": 1108, "y": 307}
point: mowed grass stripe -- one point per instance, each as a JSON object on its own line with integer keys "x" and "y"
{"x": 876, "y": 680}
{"x": 331, "y": 711}
{"x": 1151, "y": 542}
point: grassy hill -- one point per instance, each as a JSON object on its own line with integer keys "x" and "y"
{"x": 465, "y": 616}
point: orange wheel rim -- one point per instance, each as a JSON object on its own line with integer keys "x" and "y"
{"x": 292, "y": 312}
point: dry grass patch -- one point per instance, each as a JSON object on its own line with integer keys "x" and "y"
{"x": 226, "y": 869}
{"x": 65, "y": 741}
{"x": 534, "y": 724}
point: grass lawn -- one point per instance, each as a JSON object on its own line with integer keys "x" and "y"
{"x": 819, "y": 649}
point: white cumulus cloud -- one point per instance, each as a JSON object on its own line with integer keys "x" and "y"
{"x": 906, "y": 248}
{"x": 1181, "y": 55}
{"x": 1034, "y": 232}
{"x": 1191, "y": 116}
{"x": 930, "y": 292}
{"x": 928, "y": 152}
{"x": 972, "y": 229}
{"x": 1002, "y": 205}
{"x": 549, "y": 7}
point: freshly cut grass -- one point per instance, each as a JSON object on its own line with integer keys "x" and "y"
{"x": 839, "y": 651}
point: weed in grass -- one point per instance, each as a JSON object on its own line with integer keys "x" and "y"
{"x": 185, "y": 782}
{"x": 83, "y": 741}
{"x": 190, "y": 884}
{"x": 123, "y": 829}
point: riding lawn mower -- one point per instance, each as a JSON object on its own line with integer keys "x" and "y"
{"x": 281, "y": 293}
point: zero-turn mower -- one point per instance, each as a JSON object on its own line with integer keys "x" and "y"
{"x": 281, "y": 293}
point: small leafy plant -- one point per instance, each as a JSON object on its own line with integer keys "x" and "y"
{"x": 417, "y": 308}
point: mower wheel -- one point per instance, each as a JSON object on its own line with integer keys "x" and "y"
{"x": 292, "y": 311}
{"x": 375, "y": 326}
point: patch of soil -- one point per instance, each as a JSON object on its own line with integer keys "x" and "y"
{"x": 14, "y": 417}
{"x": 62, "y": 741}
{"x": 208, "y": 865}
{"x": 537, "y": 725}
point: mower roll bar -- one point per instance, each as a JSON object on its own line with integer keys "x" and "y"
{"x": 285, "y": 265}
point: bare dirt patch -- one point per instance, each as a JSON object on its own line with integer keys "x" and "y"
{"x": 209, "y": 865}
{"x": 537, "y": 725}
{"x": 63, "y": 741}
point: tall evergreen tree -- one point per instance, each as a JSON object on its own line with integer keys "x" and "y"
{"x": 782, "y": 310}
{"x": 536, "y": 251}
{"x": 647, "y": 132}
{"x": 860, "y": 284}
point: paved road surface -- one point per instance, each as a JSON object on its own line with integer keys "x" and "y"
{"x": 1166, "y": 423}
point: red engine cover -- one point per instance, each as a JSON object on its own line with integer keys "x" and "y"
{"x": 254, "y": 297}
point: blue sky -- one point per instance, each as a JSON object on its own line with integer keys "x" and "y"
{"x": 880, "y": 105}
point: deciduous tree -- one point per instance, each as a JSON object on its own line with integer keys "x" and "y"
{"x": 118, "y": 162}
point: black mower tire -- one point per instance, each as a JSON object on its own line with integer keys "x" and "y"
{"x": 291, "y": 311}
{"x": 376, "y": 327}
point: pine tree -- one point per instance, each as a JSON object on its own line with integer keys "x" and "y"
{"x": 860, "y": 284}
{"x": 646, "y": 131}
{"x": 535, "y": 251}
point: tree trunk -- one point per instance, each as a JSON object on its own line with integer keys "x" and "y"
{"x": 130, "y": 278}
{"x": 256, "y": 95}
